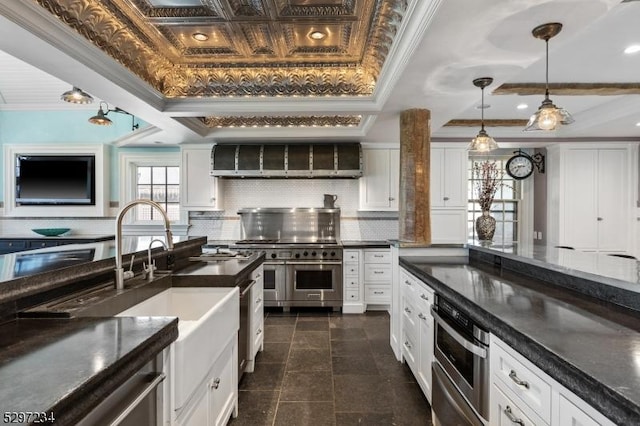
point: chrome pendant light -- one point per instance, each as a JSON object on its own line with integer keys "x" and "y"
{"x": 548, "y": 116}
{"x": 76, "y": 96}
{"x": 483, "y": 142}
{"x": 101, "y": 118}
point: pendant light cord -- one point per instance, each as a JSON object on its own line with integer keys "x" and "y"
{"x": 482, "y": 109}
{"x": 546, "y": 91}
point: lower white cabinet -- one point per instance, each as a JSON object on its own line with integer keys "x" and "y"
{"x": 353, "y": 289}
{"x": 256, "y": 317}
{"x": 417, "y": 328}
{"x": 216, "y": 399}
{"x": 377, "y": 276}
{"x": 522, "y": 394}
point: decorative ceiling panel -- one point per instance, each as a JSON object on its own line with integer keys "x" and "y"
{"x": 220, "y": 48}
{"x": 283, "y": 121}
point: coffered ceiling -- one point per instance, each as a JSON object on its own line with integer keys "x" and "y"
{"x": 215, "y": 70}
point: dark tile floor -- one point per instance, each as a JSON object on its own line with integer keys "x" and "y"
{"x": 324, "y": 368}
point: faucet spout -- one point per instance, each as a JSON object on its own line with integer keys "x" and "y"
{"x": 151, "y": 266}
{"x": 167, "y": 225}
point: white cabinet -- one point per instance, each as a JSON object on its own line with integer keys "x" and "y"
{"x": 520, "y": 391}
{"x": 377, "y": 276}
{"x": 199, "y": 190}
{"x": 353, "y": 291}
{"x": 256, "y": 317}
{"x": 417, "y": 328}
{"x": 449, "y": 194}
{"x": 590, "y": 203}
{"x": 216, "y": 399}
{"x": 380, "y": 182}
{"x": 448, "y": 177}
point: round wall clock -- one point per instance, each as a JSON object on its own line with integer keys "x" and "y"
{"x": 520, "y": 166}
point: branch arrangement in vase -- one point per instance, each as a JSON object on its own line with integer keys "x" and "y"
{"x": 487, "y": 178}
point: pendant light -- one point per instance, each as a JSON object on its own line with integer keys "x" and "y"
{"x": 483, "y": 142}
{"x": 76, "y": 96}
{"x": 101, "y": 118}
{"x": 548, "y": 116}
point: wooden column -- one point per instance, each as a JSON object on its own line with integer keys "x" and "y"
{"x": 415, "y": 165}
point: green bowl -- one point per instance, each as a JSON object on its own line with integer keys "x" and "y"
{"x": 51, "y": 232}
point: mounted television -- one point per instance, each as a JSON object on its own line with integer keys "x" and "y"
{"x": 61, "y": 180}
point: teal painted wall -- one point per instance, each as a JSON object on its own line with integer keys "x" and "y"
{"x": 68, "y": 128}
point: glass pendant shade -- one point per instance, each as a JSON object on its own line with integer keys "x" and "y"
{"x": 76, "y": 96}
{"x": 100, "y": 118}
{"x": 548, "y": 117}
{"x": 482, "y": 143}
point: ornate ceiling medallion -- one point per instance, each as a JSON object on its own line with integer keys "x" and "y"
{"x": 252, "y": 50}
{"x": 283, "y": 121}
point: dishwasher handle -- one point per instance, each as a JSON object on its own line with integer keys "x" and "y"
{"x": 468, "y": 345}
{"x": 158, "y": 378}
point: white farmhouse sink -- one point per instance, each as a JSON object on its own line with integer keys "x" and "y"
{"x": 207, "y": 319}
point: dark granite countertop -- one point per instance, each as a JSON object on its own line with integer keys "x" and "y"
{"x": 590, "y": 346}
{"x": 365, "y": 244}
{"x": 35, "y": 236}
{"x": 214, "y": 272}
{"x": 67, "y": 366}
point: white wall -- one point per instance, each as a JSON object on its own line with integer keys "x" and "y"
{"x": 240, "y": 193}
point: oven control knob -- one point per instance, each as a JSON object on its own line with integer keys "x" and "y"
{"x": 306, "y": 253}
{"x": 324, "y": 254}
{"x": 297, "y": 255}
{"x": 333, "y": 254}
{"x": 313, "y": 253}
{"x": 273, "y": 255}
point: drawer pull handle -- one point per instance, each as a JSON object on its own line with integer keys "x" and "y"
{"x": 510, "y": 416}
{"x": 424, "y": 297}
{"x": 514, "y": 377}
{"x": 378, "y": 255}
{"x": 407, "y": 344}
{"x": 216, "y": 383}
{"x": 378, "y": 272}
{"x": 445, "y": 198}
{"x": 407, "y": 310}
{"x": 378, "y": 292}
{"x": 258, "y": 300}
{"x": 421, "y": 316}
{"x": 258, "y": 332}
{"x": 407, "y": 282}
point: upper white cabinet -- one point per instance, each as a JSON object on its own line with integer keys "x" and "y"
{"x": 381, "y": 180}
{"x": 448, "y": 177}
{"x": 590, "y": 203}
{"x": 200, "y": 190}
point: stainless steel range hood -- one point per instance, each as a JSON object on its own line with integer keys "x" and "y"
{"x": 339, "y": 160}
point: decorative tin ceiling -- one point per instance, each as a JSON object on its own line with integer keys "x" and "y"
{"x": 242, "y": 48}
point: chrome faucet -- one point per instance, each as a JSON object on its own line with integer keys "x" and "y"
{"x": 120, "y": 276}
{"x": 148, "y": 270}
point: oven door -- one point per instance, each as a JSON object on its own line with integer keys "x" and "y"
{"x": 274, "y": 283}
{"x": 465, "y": 361}
{"x": 314, "y": 282}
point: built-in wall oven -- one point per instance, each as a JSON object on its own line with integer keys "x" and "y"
{"x": 461, "y": 368}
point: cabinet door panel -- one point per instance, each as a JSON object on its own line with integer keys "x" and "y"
{"x": 455, "y": 178}
{"x": 436, "y": 178}
{"x": 612, "y": 195}
{"x": 375, "y": 184}
{"x": 199, "y": 189}
{"x": 580, "y": 201}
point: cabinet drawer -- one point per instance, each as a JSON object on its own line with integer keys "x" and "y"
{"x": 351, "y": 283}
{"x": 377, "y": 256}
{"x": 351, "y": 256}
{"x": 408, "y": 284}
{"x": 377, "y": 273}
{"x": 42, "y": 244}
{"x": 377, "y": 294}
{"x": 505, "y": 412}
{"x": 351, "y": 269}
{"x": 527, "y": 387}
{"x": 409, "y": 349}
{"x": 352, "y": 295}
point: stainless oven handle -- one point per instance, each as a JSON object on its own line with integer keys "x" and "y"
{"x": 316, "y": 262}
{"x": 152, "y": 385}
{"x": 475, "y": 349}
{"x": 266, "y": 263}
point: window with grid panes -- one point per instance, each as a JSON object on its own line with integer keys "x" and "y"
{"x": 505, "y": 203}
{"x": 162, "y": 185}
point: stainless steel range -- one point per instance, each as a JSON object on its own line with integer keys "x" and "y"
{"x": 303, "y": 264}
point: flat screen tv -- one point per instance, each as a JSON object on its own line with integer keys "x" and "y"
{"x": 66, "y": 180}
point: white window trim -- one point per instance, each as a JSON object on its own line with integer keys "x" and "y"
{"x": 128, "y": 162}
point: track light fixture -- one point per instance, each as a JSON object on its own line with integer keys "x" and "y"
{"x": 101, "y": 118}
{"x": 482, "y": 142}
{"x": 548, "y": 116}
{"x": 76, "y": 96}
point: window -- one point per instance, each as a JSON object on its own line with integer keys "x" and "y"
{"x": 162, "y": 185}
{"x": 505, "y": 206}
